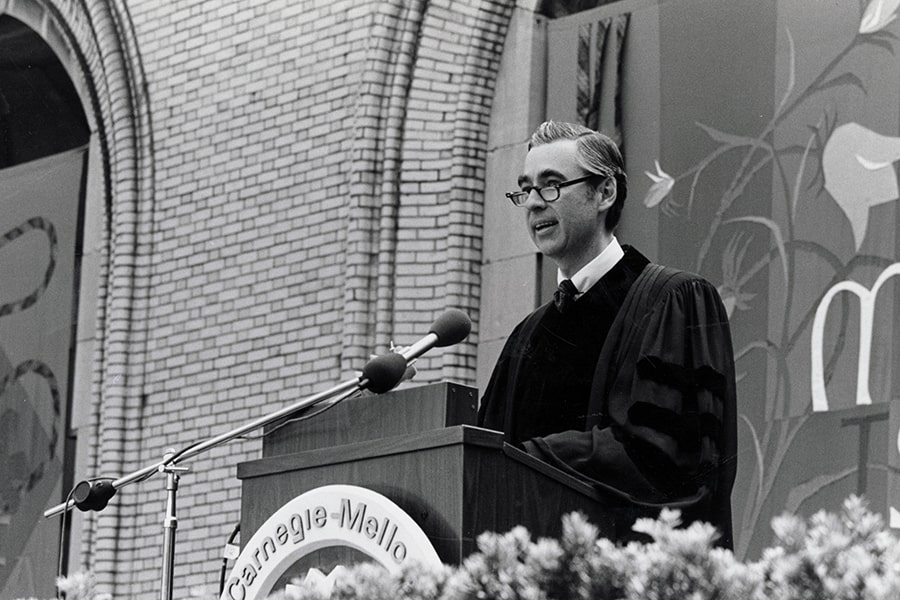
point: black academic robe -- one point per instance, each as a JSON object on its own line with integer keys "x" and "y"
{"x": 649, "y": 418}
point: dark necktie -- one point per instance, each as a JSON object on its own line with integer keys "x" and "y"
{"x": 564, "y": 296}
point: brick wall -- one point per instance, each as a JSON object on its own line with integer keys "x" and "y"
{"x": 298, "y": 184}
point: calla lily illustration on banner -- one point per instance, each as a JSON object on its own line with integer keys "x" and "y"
{"x": 857, "y": 163}
{"x": 662, "y": 185}
{"x": 877, "y": 16}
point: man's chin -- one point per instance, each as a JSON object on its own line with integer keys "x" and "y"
{"x": 548, "y": 251}
{"x": 546, "y": 243}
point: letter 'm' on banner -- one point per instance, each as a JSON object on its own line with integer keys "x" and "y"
{"x": 866, "y": 320}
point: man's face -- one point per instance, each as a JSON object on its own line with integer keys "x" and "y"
{"x": 565, "y": 230}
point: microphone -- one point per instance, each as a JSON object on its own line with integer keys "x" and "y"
{"x": 382, "y": 373}
{"x": 450, "y": 328}
{"x": 93, "y": 494}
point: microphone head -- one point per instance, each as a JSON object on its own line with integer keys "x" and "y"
{"x": 451, "y": 328}
{"x": 384, "y": 372}
{"x": 93, "y": 494}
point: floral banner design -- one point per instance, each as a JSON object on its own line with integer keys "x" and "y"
{"x": 796, "y": 221}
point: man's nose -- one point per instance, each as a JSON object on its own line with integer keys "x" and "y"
{"x": 534, "y": 200}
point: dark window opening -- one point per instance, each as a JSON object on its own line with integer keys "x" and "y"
{"x": 40, "y": 111}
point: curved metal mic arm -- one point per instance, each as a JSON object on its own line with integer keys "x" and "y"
{"x": 346, "y": 388}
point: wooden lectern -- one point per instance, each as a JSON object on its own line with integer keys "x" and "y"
{"x": 417, "y": 446}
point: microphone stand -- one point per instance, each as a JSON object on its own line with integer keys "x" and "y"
{"x": 168, "y": 466}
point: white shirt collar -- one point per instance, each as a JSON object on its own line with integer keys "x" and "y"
{"x": 591, "y": 273}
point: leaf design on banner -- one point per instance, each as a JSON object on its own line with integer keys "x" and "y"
{"x": 730, "y": 139}
{"x": 807, "y": 489}
{"x": 842, "y": 80}
{"x": 792, "y": 71}
{"x": 776, "y": 234}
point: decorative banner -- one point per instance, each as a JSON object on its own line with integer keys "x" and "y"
{"x": 786, "y": 197}
{"x": 329, "y": 516}
{"x": 39, "y": 206}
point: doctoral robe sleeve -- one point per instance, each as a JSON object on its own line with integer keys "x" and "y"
{"x": 663, "y": 433}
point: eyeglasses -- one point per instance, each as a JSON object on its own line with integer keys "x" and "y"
{"x": 549, "y": 193}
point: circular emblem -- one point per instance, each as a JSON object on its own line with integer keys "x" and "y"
{"x": 332, "y": 515}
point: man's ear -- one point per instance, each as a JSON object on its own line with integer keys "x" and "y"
{"x": 606, "y": 193}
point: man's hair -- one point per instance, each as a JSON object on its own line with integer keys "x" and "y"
{"x": 595, "y": 152}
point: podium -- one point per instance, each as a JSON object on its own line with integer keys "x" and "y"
{"x": 419, "y": 448}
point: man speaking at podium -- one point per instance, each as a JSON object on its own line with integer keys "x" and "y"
{"x": 626, "y": 379}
